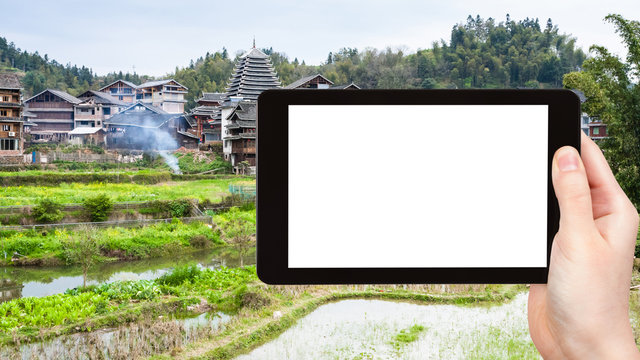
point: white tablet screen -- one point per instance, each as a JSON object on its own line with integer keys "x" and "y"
{"x": 396, "y": 186}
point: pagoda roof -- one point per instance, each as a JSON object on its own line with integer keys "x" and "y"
{"x": 253, "y": 73}
{"x": 255, "y": 53}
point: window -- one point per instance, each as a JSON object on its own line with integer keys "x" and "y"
{"x": 8, "y": 144}
{"x": 114, "y": 90}
{"x": 6, "y": 127}
{"x": 120, "y": 97}
{"x": 596, "y": 131}
{"x": 4, "y": 113}
{"x": 106, "y": 111}
{"x": 127, "y": 90}
{"x": 6, "y": 98}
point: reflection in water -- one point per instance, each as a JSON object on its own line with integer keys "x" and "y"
{"x": 16, "y": 282}
{"x": 366, "y": 329}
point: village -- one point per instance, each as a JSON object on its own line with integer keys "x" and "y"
{"x": 127, "y": 118}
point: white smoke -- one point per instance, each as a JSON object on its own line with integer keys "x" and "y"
{"x": 171, "y": 161}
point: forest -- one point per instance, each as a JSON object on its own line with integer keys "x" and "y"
{"x": 480, "y": 53}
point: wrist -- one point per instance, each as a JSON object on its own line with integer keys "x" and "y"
{"x": 612, "y": 345}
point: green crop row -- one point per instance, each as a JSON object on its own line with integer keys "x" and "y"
{"x": 211, "y": 190}
{"x": 117, "y": 242}
{"x": 77, "y": 305}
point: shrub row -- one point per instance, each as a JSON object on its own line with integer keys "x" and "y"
{"x": 55, "y": 179}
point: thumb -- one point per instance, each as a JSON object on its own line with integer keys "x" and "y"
{"x": 572, "y": 190}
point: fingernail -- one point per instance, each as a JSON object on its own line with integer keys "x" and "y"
{"x": 567, "y": 160}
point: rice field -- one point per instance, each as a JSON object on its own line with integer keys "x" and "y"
{"x": 375, "y": 329}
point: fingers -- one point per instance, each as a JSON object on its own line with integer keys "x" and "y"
{"x": 572, "y": 190}
{"x": 606, "y": 194}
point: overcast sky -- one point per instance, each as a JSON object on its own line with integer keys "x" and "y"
{"x": 156, "y": 36}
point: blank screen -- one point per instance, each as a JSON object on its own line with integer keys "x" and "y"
{"x": 401, "y": 186}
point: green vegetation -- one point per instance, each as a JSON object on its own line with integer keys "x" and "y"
{"x": 211, "y": 190}
{"x": 47, "y": 211}
{"x": 611, "y": 87}
{"x": 479, "y": 53}
{"x": 48, "y": 247}
{"x": 81, "y": 308}
{"x": 171, "y": 208}
{"x": 82, "y": 248}
{"x": 98, "y": 207}
{"x": 238, "y": 231}
{"x": 194, "y": 164}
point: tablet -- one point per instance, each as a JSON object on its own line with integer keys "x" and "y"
{"x": 409, "y": 186}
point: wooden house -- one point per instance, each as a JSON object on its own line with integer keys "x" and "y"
{"x": 206, "y": 122}
{"x": 252, "y": 75}
{"x": 591, "y": 126}
{"x": 87, "y": 135}
{"x": 145, "y": 127}
{"x": 54, "y": 111}
{"x": 240, "y": 133}
{"x": 311, "y": 82}
{"x": 597, "y": 129}
{"x": 167, "y": 95}
{"x": 95, "y": 108}
{"x": 210, "y": 99}
{"x": 121, "y": 90}
{"x": 11, "y": 120}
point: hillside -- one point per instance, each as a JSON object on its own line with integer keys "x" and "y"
{"x": 479, "y": 54}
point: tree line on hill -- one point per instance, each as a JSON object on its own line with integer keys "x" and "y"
{"x": 479, "y": 54}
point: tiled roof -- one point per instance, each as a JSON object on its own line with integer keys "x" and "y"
{"x": 149, "y": 117}
{"x": 208, "y": 96}
{"x": 158, "y": 83}
{"x": 101, "y": 98}
{"x": 9, "y": 81}
{"x": 128, "y": 83}
{"x": 59, "y": 93}
{"x": 304, "y": 80}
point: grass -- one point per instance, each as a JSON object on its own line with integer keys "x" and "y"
{"x": 212, "y": 190}
{"x": 107, "y": 305}
{"x": 46, "y": 247}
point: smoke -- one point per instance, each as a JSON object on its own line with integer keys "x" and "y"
{"x": 150, "y": 136}
{"x": 171, "y": 161}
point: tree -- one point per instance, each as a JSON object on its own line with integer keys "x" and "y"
{"x": 98, "y": 208}
{"x": 47, "y": 211}
{"x": 82, "y": 248}
{"x": 611, "y": 87}
{"x": 239, "y": 233}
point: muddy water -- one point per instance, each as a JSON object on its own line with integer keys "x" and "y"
{"x": 17, "y": 282}
{"x": 126, "y": 342}
{"x": 367, "y": 329}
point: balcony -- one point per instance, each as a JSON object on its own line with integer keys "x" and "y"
{"x": 10, "y": 104}
{"x": 10, "y": 118}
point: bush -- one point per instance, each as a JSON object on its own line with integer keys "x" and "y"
{"x": 179, "y": 275}
{"x": 98, "y": 208}
{"x": 200, "y": 241}
{"x": 47, "y": 211}
{"x": 173, "y": 208}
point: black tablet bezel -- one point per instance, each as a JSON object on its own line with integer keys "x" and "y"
{"x": 272, "y": 181}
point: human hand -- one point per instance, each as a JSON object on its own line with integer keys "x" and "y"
{"x": 583, "y": 310}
